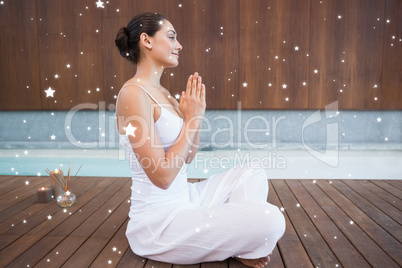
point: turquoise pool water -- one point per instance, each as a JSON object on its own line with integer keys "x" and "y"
{"x": 287, "y": 164}
{"x": 102, "y": 163}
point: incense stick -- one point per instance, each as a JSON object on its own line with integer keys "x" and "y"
{"x": 58, "y": 177}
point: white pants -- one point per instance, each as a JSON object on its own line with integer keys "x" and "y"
{"x": 228, "y": 217}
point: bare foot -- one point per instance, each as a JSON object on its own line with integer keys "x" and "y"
{"x": 255, "y": 263}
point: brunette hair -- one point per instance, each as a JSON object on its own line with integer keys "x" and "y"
{"x": 127, "y": 38}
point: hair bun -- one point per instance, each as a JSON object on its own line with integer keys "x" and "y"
{"x": 125, "y": 30}
{"x": 121, "y": 41}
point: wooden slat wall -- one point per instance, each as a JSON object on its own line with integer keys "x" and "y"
{"x": 391, "y": 87}
{"x": 229, "y": 42}
{"x": 19, "y": 72}
{"x": 208, "y": 25}
{"x": 67, "y": 35}
{"x": 270, "y": 66}
{"x": 357, "y": 38}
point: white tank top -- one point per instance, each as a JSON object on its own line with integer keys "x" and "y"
{"x": 146, "y": 198}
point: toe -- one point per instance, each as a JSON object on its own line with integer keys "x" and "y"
{"x": 262, "y": 262}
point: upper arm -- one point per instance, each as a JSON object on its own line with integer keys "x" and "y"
{"x": 134, "y": 107}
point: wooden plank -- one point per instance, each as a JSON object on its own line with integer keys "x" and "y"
{"x": 6, "y": 178}
{"x": 186, "y": 266}
{"x": 316, "y": 247}
{"x": 11, "y": 211}
{"x": 39, "y": 219}
{"x": 374, "y": 213}
{"x": 291, "y": 248}
{"x": 323, "y": 201}
{"x": 395, "y": 183}
{"x": 84, "y": 223}
{"x": 21, "y": 247}
{"x": 391, "y": 199}
{"x": 377, "y": 201}
{"x": 114, "y": 250}
{"x": 19, "y": 194}
{"x": 276, "y": 261}
{"x": 106, "y": 221}
{"x": 23, "y": 210}
{"x": 388, "y": 187}
{"x": 131, "y": 260}
{"x": 96, "y": 242}
{"x": 235, "y": 264}
{"x": 16, "y": 183}
{"x": 388, "y": 243}
{"x": 85, "y": 249}
{"x": 8, "y": 183}
{"x": 215, "y": 264}
{"x": 330, "y": 221}
{"x": 31, "y": 221}
{"x": 157, "y": 264}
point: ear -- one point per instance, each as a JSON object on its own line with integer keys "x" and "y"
{"x": 145, "y": 41}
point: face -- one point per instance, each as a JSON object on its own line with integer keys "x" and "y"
{"x": 165, "y": 47}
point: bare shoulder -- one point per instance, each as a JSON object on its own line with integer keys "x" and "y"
{"x": 131, "y": 91}
{"x": 132, "y": 105}
{"x": 131, "y": 95}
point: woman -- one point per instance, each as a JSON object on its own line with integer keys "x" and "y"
{"x": 171, "y": 220}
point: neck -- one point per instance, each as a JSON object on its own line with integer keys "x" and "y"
{"x": 149, "y": 72}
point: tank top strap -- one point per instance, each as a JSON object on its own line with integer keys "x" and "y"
{"x": 145, "y": 91}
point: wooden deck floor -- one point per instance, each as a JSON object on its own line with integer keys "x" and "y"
{"x": 342, "y": 223}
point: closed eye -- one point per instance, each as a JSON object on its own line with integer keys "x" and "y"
{"x": 171, "y": 34}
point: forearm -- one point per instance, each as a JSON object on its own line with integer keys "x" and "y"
{"x": 178, "y": 154}
{"x": 194, "y": 145}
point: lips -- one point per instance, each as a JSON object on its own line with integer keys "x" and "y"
{"x": 176, "y": 54}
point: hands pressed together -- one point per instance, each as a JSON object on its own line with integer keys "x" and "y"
{"x": 192, "y": 101}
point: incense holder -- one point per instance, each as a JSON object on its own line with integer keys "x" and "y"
{"x": 66, "y": 199}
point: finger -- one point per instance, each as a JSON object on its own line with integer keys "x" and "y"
{"x": 188, "y": 87}
{"x": 199, "y": 85}
{"x": 183, "y": 95}
{"x": 194, "y": 84}
{"x": 202, "y": 93}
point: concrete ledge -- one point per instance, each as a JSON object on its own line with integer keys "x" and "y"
{"x": 207, "y": 147}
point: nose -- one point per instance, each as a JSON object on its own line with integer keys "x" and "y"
{"x": 179, "y": 46}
